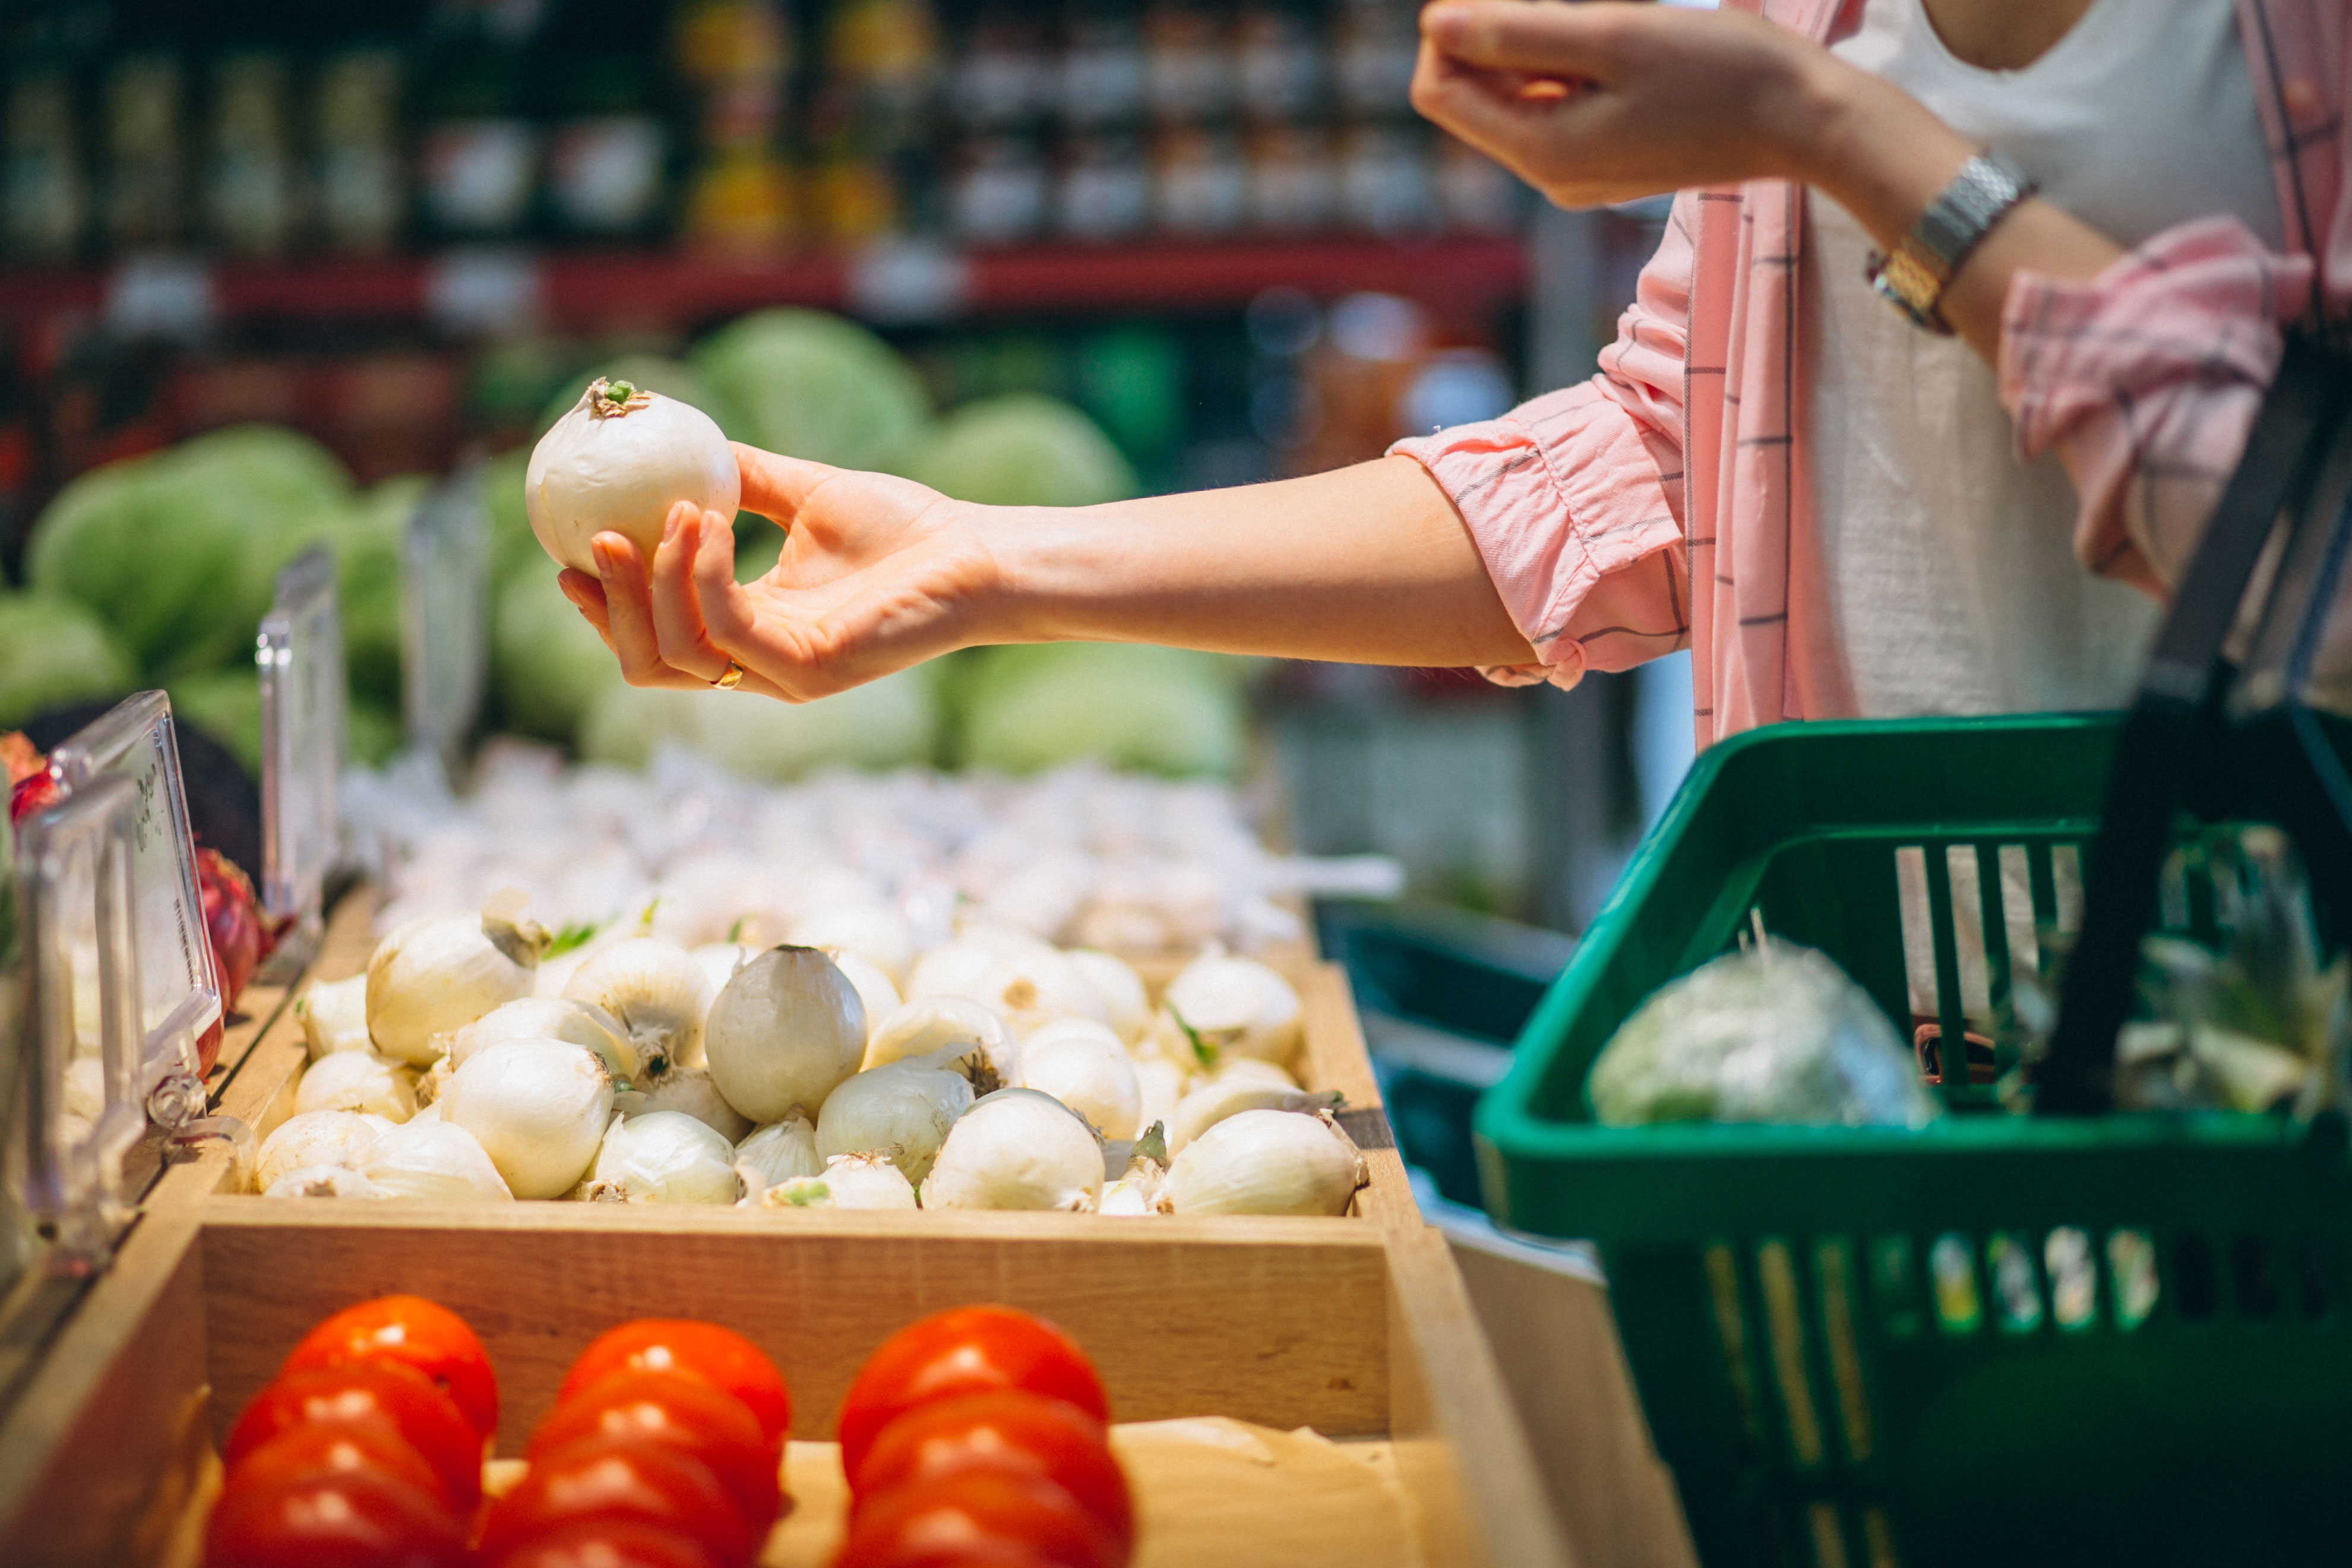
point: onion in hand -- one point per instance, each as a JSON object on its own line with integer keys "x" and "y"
{"x": 620, "y": 460}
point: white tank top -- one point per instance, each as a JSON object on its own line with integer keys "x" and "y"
{"x": 1951, "y": 577}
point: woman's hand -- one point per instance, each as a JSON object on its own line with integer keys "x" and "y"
{"x": 1602, "y": 102}
{"x": 876, "y": 573}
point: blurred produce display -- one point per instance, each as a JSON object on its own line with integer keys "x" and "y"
{"x": 1081, "y": 856}
{"x": 742, "y": 126}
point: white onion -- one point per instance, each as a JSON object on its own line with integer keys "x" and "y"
{"x": 875, "y": 991}
{"x": 1236, "y": 1006}
{"x": 548, "y": 1018}
{"x": 1082, "y": 1064}
{"x": 902, "y": 1111}
{"x": 1026, "y": 981}
{"x": 323, "y": 1182}
{"x": 786, "y": 1029}
{"x": 1228, "y": 1095}
{"x": 620, "y": 459}
{"x": 1267, "y": 1161}
{"x": 434, "y": 1162}
{"x": 358, "y": 1081}
{"x": 662, "y": 1157}
{"x": 657, "y": 992}
{"x": 691, "y": 1092}
{"x": 928, "y": 1024}
{"x": 719, "y": 961}
{"x": 315, "y": 1138}
{"x": 334, "y": 1016}
{"x": 1120, "y": 987}
{"x": 540, "y": 1108}
{"x": 435, "y": 976}
{"x": 849, "y": 1182}
{"x": 1018, "y": 1149}
{"x": 1161, "y": 1085}
{"x": 781, "y": 1150}
{"x": 869, "y": 930}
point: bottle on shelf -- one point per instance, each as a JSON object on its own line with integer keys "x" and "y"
{"x": 250, "y": 191}
{"x": 143, "y": 131}
{"x": 361, "y": 188}
{"x": 477, "y": 166}
{"x": 47, "y": 188}
{"x": 735, "y": 60}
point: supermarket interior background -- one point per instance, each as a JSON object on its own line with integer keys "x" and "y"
{"x": 1213, "y": 227}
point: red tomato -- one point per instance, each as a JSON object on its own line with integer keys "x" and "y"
{"x": 1009, "y": 1428}
{"x": 335, "y": 1448}
{"x": 720, "y": 1357}
{"x": 607, "y": 1480}
{"x": 970, "y": 1349}
{"x": 976, "y": 1516}
{"x": 360, "y": 1519}
{"x": 621, "y": 1543}
{"x": 682, "y": 1412}
{"x": 417, "y": 1333}
{"x": 420, "y": 1412}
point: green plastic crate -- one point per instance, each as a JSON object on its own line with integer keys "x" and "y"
{"x": 1996, "y": 1340}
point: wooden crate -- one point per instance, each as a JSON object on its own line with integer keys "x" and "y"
{"x": 1362, "y": 1332}
{"x": 259, "y": 1087}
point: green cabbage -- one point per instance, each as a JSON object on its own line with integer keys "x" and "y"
{"x": 372, "y": 733}
{"x": 226, "y": 705}
{"x": 179, "y": 551}
{"x": 889, "y": 723}
{"x": 813, "y": 385}
{"x": 1159, "y": 709}
{"x": 368, "y": 544}
{"x": 55, "y": 653}
{"x": 513, "y": 546}
{"x": 1020, "y": 449}
{"x": 547, "y": 662}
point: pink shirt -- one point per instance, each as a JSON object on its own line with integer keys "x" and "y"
{"x": 1665, "y": 503}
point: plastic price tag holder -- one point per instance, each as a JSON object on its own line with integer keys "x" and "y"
{"x": 444, "y": 610}
{"x": 81, "y": 975}
{"x": 18, "y": 1056}
{"x": 179, "y": 996}
{"x": 300, "y": 656}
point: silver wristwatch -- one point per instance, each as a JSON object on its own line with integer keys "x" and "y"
{"x": 1963, "y": 213}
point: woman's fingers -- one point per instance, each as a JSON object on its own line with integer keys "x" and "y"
{"x": 777, "y": 487}
{"x": 629, "y": 616}
{"x": 677, "y": 616}
{"x": 1533, "y": 40}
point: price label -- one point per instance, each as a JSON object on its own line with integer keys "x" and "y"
{"x": 178, "y": 998}
{"x": 300, "y": 655}
{"x": 445, "y": 613}
{"x": 76, "y": 962}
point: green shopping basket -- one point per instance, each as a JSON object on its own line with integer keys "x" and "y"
{"x": 2121, "y": 1339}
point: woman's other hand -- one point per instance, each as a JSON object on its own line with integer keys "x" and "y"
{"x": 1603, "y": 103}
{"x": 876, "y": 573}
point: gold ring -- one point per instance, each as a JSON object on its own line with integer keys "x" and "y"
{"x": 732, "y": 678}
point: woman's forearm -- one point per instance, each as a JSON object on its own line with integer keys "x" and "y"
{"x": 1367, "y": 565}
{"x": 1881, "y": 155}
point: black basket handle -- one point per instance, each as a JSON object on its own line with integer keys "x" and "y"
{"x": 2175, "y": 722}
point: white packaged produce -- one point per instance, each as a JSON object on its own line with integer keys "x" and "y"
{"x": 785, "y": 1030}
{"x": 1269, "y": 1163}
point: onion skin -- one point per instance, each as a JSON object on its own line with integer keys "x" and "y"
{"x": 622, "y": 472}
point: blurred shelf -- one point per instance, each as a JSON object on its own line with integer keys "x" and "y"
{"x": 462, "y": 290}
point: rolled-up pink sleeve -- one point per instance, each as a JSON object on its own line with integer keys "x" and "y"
{"x": 2146, "y": 380}
{"x": 1574, "y": 499}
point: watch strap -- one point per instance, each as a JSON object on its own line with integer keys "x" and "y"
{"x": 1913, "y": 277}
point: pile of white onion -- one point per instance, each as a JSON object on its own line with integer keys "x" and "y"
{"x": 993, "y": 1070}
